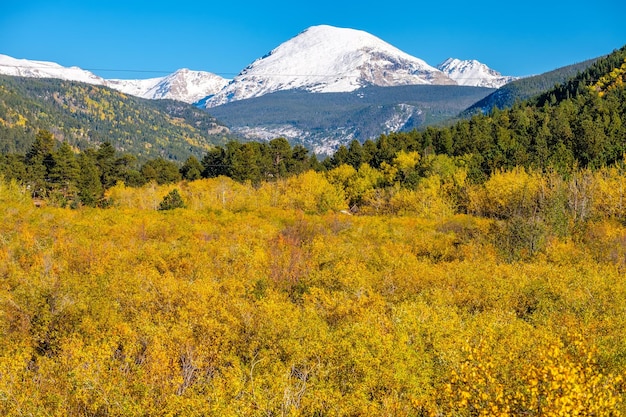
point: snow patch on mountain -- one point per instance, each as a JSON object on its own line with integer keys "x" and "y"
{"x": 473, "y": 73}
{"x": 329, "y": 59}
{"x": 138, "y": 88}
{"x": 404, "y": 112}
{"x": 43, "y": 69}
{"x": 268, "y": 133}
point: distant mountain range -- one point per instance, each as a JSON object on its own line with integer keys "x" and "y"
{"x": 182, "y": 85}
{"x": 320, "y": 59}
{"x": 323, "y": 88}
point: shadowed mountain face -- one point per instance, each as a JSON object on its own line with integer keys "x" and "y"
{"x": 323, "y": 121}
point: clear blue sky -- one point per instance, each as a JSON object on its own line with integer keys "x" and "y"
{"x": 158, "y": 37}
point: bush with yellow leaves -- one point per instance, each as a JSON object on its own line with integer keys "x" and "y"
{"x": 551, "y": 379}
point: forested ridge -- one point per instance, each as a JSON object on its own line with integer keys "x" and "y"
{"x": 578, "y": 123}
{"x": 85, "y": 116}
{"x": 475, "y": 270}
{"x": 317, "y": 120}
{"x": 526, "y": 88}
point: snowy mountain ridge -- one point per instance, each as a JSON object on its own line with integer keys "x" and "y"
{"x": 182, "y": 85}
{"x": 473, "y": 73}
{"x": 45, "y": 69}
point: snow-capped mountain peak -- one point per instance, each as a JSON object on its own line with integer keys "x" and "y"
{"x": 329, "y": 59}
{"x": 473, "y": 73}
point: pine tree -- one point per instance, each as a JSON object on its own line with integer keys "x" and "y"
{"x": 105, "y": 159}
{"x": 90, "y": 188}
{"x": 65, "y": 171}
{"x": 214, "y": 163}
{"x": 171, "y": 201}
{"x": 38, "y": 163}
{"x": 161, "y": 171}
{"x": 191, "y": 169}
{"x": 355, "y": 154}
{"x": 280, "y": 154}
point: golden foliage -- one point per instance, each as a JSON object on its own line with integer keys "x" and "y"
{"x": 556, "y": 381}
{"x": 268, "y": 300}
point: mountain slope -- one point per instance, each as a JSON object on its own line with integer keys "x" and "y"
{"x": 329, "y": 59}
{"x": 44, "y": 69}
{"x": 85, "y": 115}
{"x": 577, "y": 123}
{"x": 473, "y": 73}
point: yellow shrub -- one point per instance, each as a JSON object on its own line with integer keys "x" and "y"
{"x": 507, "y": 193}
{"x": 554, "y": 381}
{"x": 609, "y": 193}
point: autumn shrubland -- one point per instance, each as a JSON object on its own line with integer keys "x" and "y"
{"x": 450, "y": 298}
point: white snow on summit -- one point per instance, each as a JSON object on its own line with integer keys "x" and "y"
{"x": 138, "y": 88}
{"x": 329, "y": 59}
{"x": 189, "y": 86}
{"x": 473, "y": 73}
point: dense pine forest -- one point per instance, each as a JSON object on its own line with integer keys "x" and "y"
{"x": 471, "y": 270}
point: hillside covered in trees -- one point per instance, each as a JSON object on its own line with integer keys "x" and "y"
{"x": 322, "y": 121}
{"x": 86, "y": 115}
{"x": 526, "y": 88}
{"x": 578, "y": 123}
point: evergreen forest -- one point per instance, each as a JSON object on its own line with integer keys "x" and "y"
{"x": 469, "y": 270}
